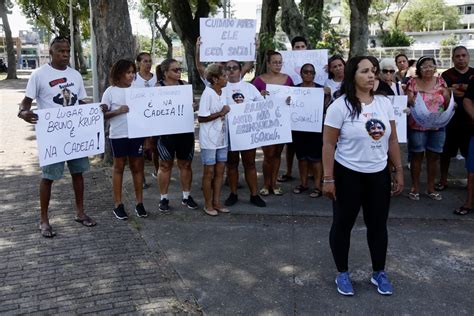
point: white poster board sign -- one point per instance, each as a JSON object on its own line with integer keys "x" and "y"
{"x": 306, "y": 106}
{"x": 427, "y": 119}
{"x": 70, "y": 132}
{"x": 399, "y": 104}
{"x": 227, "y": 39}
{"x": 160, "y": 111}
{"x": 294, "y": 59}
{"x": 256, "y": 124}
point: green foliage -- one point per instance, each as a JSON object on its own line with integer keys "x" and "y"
{"x": 396, "y": 38}
{"x": 144, "y": 45}
{"x": 423, "y": 15}
{"x": 330, "y": 38}
{"x": 446, "y": 45}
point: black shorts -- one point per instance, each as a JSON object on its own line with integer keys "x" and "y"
{"x": 308, "y": 145}
{"x": 456, "y": 139}
{"x": 127, "y": 147}
{"x": 179, "y": 145}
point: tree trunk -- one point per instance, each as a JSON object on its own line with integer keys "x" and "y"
{"x": 359, "y": 34}
{"x": 164, "y": 35}
{"x": 187, "y": 28}
{"x": 292, "y": 21}
{"x": 9, "y": 41}
{"x": 266, "y": 33}
{"x": 114, "y": 41}
{"x": 79, "y": 60}
{"x": 313, "y": 12}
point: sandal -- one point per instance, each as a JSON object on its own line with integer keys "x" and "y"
{"x": 316, "y": 193}
{"x": 434, "y": 196}
{"x": 264, "y": 192}
{"x": 278, "y": 191}
{"x": 414, "y": 196}
{"x": 284, "y": 178}
{"x": 47, "y": 232}
{"x": 86, "y": 221}
{"x": 300, "y": 189}
{"x": 440, "y": 187}
{"x": 463, "y": 210}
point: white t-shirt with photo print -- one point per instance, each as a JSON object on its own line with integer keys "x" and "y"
{"x": 213, "y": 134}
{"x": 52, "y": 87}
{"x": 248, "y": 90}
{"x": 363, "y": 141}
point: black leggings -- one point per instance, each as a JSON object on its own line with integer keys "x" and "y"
{"x": 353, "y": 190}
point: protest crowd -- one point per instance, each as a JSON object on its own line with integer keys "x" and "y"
{"x": 343, "y": 119}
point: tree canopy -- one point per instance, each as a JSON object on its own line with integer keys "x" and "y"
{"x": 428, "y": 15}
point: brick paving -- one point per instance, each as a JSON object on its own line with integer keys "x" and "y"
{"x": 108, "y": 269}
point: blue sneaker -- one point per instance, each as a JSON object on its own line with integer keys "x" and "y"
{"x": 344, "y": 284}
{"x": 380, "y": 279}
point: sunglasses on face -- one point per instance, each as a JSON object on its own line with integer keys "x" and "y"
{"x": 176, "y": 70}
{"x": 232, "y": 68}
{"x": 308, "y": 72}
{"x": 386, "y": 71}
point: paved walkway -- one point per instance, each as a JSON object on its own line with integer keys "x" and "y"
{"x": 271, "y": 261}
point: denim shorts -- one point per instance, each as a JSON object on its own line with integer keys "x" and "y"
{"x": 470, "y": 157}
{"x": 210, "y": 156}
{"x": 127, "y": 147}
{"x": 56, "y": 170}
{"x": 420, "y": 141}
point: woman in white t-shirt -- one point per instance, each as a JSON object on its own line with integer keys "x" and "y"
{"x": 213, "y": 138}
{"x": 336, "y": 66}
{"x": 356, "y": 174}
{"x": 239, "y": 91}
{"x": 123, "y": 148}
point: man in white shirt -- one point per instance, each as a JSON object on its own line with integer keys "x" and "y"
{"x": 57, "y": 85}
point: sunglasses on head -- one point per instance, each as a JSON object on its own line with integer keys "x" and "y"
{"x": 308, "y": 72}
{"x": 176, "y": 69}
{"x": 386, "y": 71}
{"x": 232, "y": 68}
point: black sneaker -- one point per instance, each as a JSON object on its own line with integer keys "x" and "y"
{"x": 140, "y": 210}
{"x": 190, "y": 203}
{"x": 257, "y": 201}
{"x": 120, "y": 213}
{"x": 164, "y": 206}
{"x": 231, "y": 200}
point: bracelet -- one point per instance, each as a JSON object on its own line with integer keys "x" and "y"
{"x": 329, "y": 180}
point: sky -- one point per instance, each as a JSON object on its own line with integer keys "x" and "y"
{"x": 242, "y": 9}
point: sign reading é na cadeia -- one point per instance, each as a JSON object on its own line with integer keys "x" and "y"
{"x": 160, "y": 111}
{"x": 256, "y": 124}
{"x": 227, "y": 39}
{"x": 70, "y": 132}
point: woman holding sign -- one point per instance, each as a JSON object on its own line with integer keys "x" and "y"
{"x": 359, "y": 138}
{"x": 435, "y": 96}
{"x": 272, "y": 153}
{"x": 213, "y": 138}
{"x": 309, "y": 156}
{"x": 179, "y": 145}
{"x": 239, "y": 91}
{"x": 123, "y": 148}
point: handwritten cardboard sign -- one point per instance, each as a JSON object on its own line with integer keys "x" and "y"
{"x": 399, "y": 104}
{"x": 256, "y": 124}
{"x": 71, "y": 132}
{"x": 160, "y": 111}
{"x": 227, "y": 39}
{"x": 306, "y": 106}
{"x": 294, "y": 59}
{"x": 427, "y": 119}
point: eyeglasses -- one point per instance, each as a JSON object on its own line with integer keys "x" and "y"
{"x": 232, "y": 68}
{"x": 276, "y": 63}
{"x": 386, "y": 71}
{"x": 429, "y": 67}
{"x": 308, "y": 72}
{"x": 177, "y": 70}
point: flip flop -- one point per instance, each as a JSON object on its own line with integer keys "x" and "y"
{"x": 300, "y": 189}
{"x": 434, "y": 196}
{"x": 463, "y": 210}
{"x": 47, "y": 232}
{"x": 86, "y": 221}
{"x": 284, "y": 178}
{"x": 414, "y": 196}
{"x": 440, "y": 187}
{"x": 316, "y": 193}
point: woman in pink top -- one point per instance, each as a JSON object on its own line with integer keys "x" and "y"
{"x": 272, "y": 153}
{"x": 436, "y": 96}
